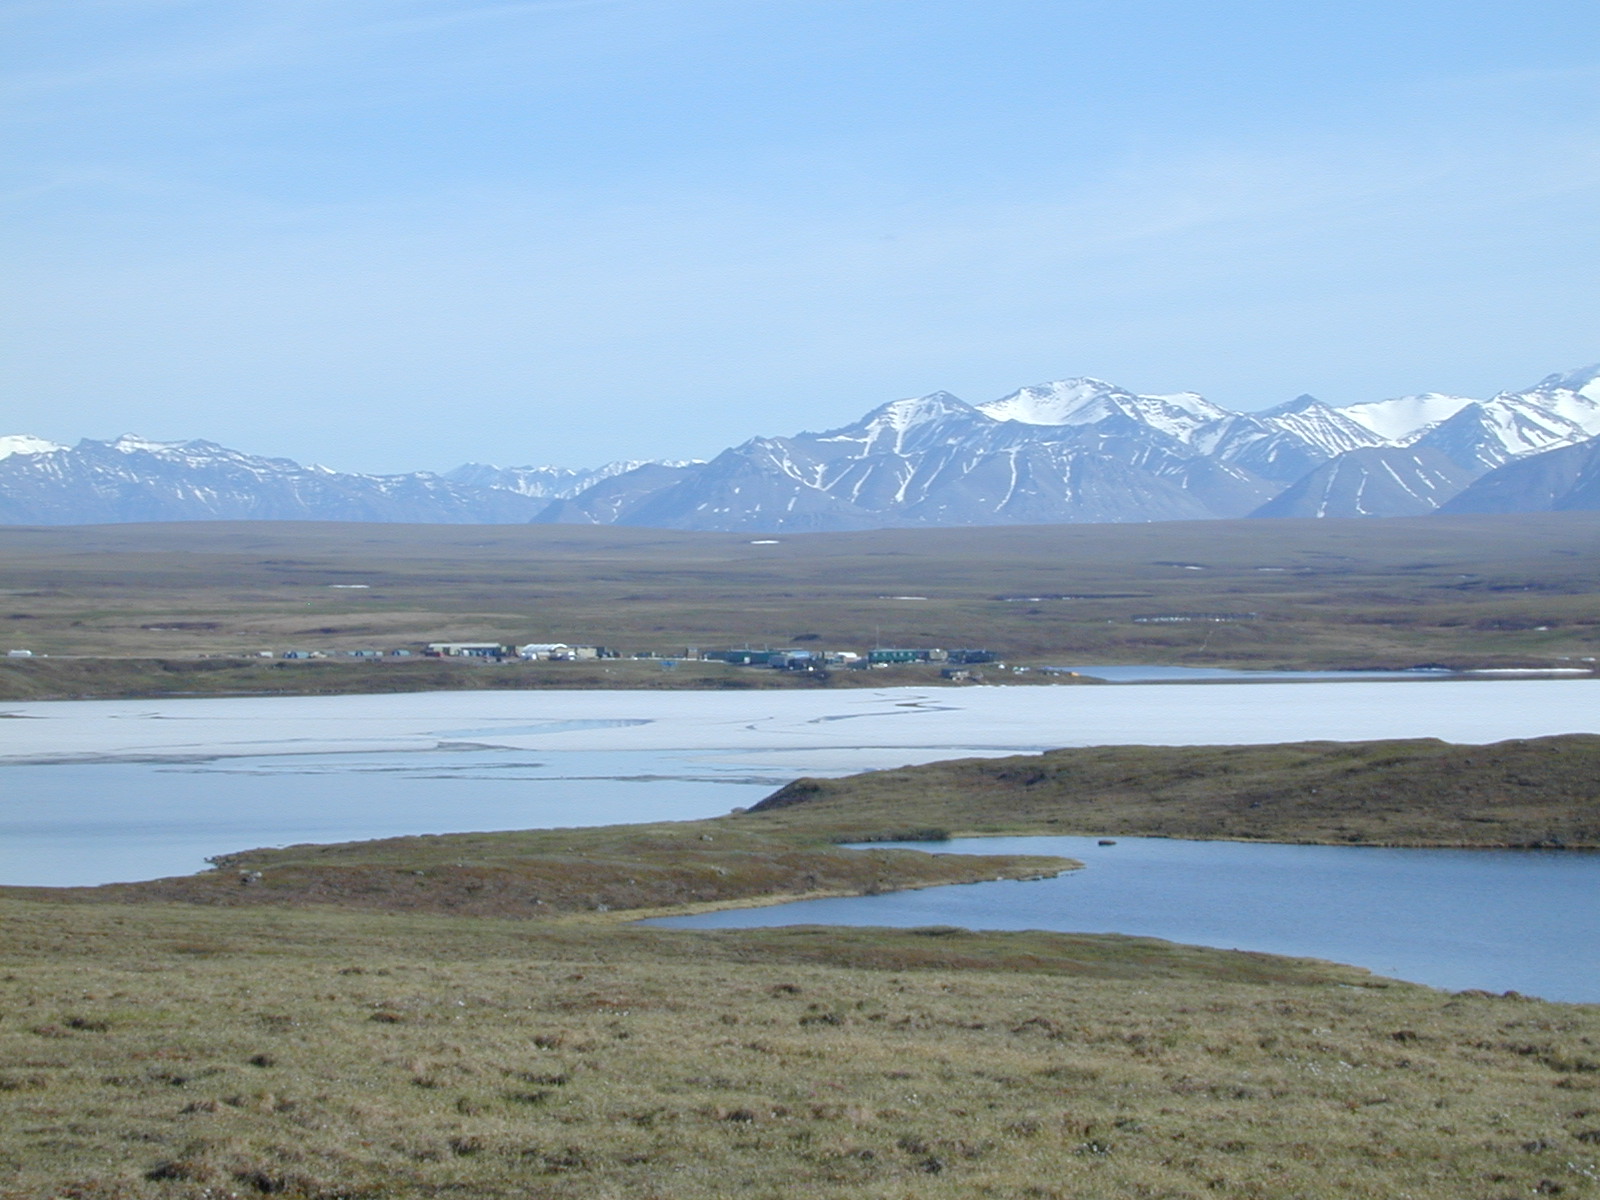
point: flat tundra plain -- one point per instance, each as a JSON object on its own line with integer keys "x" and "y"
{"x": 131, "y": 610}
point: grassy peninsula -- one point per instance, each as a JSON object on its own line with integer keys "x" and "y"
{"x": 1530, "y": 792}
{"x": 472, "y": 1015}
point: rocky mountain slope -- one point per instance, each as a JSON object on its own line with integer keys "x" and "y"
{"x": 1554, "y": 481}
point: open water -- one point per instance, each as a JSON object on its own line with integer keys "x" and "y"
{"x": 99, "y": 791}
{"x": 1522, "y": 920}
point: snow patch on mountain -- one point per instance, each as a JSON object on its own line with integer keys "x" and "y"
{"x": 1049, "y": 403}
{"x": 1326, "y": 428}
{"x": 132, "y": 443}
{"x": 1088, "y": 401}
{"x": 1405, "y": 417}
{"x": 1574, "y": 396}
{"x": 898, "y": 416}
{"x": 26, "y": 443}
{"x": 1584, "y": 380}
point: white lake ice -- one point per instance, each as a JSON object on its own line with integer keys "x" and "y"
{"x": 95, "y": 791}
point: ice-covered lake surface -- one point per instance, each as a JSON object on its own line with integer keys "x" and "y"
{"x": 96, "y": 791}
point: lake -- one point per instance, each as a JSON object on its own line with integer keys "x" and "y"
{"x": 100, "y": 791}
{"x": 1523, "y": 920}
{"x": 97, "y": 822}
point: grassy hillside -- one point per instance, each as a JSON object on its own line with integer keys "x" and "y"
{"x": 1423, "y": 792}
{"x": 1512, "y": 590}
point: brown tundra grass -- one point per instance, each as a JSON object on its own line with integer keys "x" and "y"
{"x": 180, "y": 1051}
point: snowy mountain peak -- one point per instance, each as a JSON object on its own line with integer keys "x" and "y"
{"x": 901, "y": 415}
{"x": 1055, "y": 403}
{"x": 26, "y": 443}
{"x": 1328, "y": 428}
{"x": 1299, "y": 404}
{"x": 132, "y": 443}
{"x": 1574, "y": 396}
{"x": 1087, "y": 401}
{"x": 1193, "y": 403}
{"x": 1585, "y": 381}
{"x": 1405, "y": 418}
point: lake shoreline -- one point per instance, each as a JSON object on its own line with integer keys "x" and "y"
{"x": 66, "y": 678}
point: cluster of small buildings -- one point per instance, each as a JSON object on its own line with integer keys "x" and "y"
{"x": 492, "y": 651}
{"x": 532, "y": 652}
{"x": 814, "y": 660}
{"x": 783, "y": 660}
{"x": 955, "y": 664}
{"x": 370, "y": 654}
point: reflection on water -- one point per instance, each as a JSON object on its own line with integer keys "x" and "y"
{"x": 1495, "y": 919}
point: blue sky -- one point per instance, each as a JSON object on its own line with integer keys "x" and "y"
{"x": 401, "y": 234}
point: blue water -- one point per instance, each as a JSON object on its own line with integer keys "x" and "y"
{"x": 1522, "y": 920}
{"x": 99, "y": 791}
{"x": 64, "y": 824}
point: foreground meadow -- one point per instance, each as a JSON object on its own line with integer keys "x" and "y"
{"x": 473, "y": 1015}
{"x": 166, "y": 1051}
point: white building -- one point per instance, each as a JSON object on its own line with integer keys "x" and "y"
{"x": 537, "y": 650}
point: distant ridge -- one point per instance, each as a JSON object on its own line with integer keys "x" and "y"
{"x": 134, "y": 479}
{"x": 1075, "y": 450}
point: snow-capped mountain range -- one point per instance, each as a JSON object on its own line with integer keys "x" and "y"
{"x": 132, "y": 479}
{"x": 1075, "y": 450}
{"x": 1083, "y": 450}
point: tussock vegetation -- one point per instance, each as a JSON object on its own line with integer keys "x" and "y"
{"x": 1421, "y": 792}
{"x": 169, "y": 1051}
